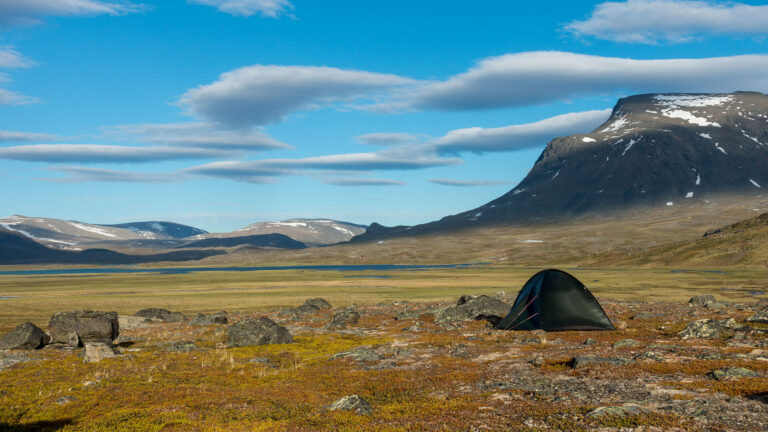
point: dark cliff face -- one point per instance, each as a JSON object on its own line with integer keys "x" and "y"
{"x": 655, "y": 149}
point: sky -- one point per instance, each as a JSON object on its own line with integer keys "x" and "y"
{"x": 221, "y": 113}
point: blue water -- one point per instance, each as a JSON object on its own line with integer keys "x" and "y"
{"x": 3, "y": 298}
{"x": 697, "y": 271}
{"x": 182, "y": 270}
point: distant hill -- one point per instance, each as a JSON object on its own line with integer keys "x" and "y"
{"x": 273, "y": 241}
{"x": 313, "y": 232}
{"x": 160, "y": 230}
{"x": 17, "y": 249}
{"x": 654, "y": 150}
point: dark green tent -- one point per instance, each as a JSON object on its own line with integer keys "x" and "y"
{"x": 553, "y": 300}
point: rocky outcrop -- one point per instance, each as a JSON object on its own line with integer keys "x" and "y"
{"x": 94, "y": 352}
{"x": 78, "y": 327}
{"x": 260, "y": 331}
{"x": 210, "y": 319}
{"x": 318, "y": 302}
{"x": 161, "y": 314}
{"x": 351, "y": 403}
{"x": 343, "y": 318}
{"x": 26, "y": 336}
{"x": 471, "y": 308}
{"x": 705, "y": 329}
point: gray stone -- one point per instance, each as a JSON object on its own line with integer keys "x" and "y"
{"x": 360, "y": 355}
{"x": 407, "y": 315}
{"x": 128, "y": 322}
{"x": 471, "y": 308}
{"x": 319, "y": 303}
{"x": 184, "y": 346}
{"x": 589, "y": 341}
{"x": 306, "y": 309}
{"x": 583, "y": 361}
{"x": 210, "y": 319}
{"x": 153, "y": 313}
{"x": 625, "y": 343}
{"x": 732, "y": 372}
{"x": 351, "y": 403}
{"x": 759, "y": 317}
{"x": 260, "y": 331}
{"x": 702, "y": 300}
{"x": 705, "y": 329}
{"x": 343, "y": 318}
{"x": 94, "y": 352}
{"x": 617, "y": 411}
{"x": 78, "y": 327}
{"x": 26, "y": 336}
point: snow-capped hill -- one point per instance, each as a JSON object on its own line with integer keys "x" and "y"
{"x": 161, "y": 230}
{"x": 655, "y": 149}
{"x": 313, "y": 232}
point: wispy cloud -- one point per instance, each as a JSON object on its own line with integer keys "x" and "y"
{"x": 468, "y": 183}
{"x": 386, "y": 138}
{"x": 539, "y": 77}
{"x": 358, "y": 182}
{"x": 79, "y": 174}
{"x": 25, "y": 12}
{"x": 246, "y": 8}
{"x": 516, "y": 137}
{"x": 199, "y": 135}
{"x": 90, "y": 153}
{"x": 258, "y": 95}
{"x": 10, "y": 58}
{"x": 10, "y": 136}
{"x": 676, "y": 21}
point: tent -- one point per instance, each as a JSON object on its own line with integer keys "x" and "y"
{"x": 553, "y": 300}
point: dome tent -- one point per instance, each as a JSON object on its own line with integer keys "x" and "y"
{"x": 553, "y": 300}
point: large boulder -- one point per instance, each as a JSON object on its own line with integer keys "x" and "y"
{"x": 210, "y": 319}
{"x": 343, "y": 318}
{"x": 319, "y": 303}
{"x": 26, "y": 336}
{"x": 471, "y": 308}
{"x": 260, "y": 331}
{"x": 94, "y": 352}
{"x": 78, "y": 327}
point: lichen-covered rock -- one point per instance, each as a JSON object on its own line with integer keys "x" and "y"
{"x": 360, "y": 355}
{"x": 705, "y": 329}
{"x": 732, "y": 372}
{"x": 26, "y": 336}
{"x": 319, "y": 303}
{"x": 78, "y": 327}
{"x": 306, "y": 309}
{"x": 343, "y": 318}
{"x": 260, "y": 331}
{"x": 625, "y": 343}
{"x": 702, "y": 300}
{"x": 129, "y": 322}
{"x": 351, "y": 403}
{"x": 210, "y": 319}
{"x": 471, "y": 308}
{"x": 153, "y": 313}
{"x": 759, "y": 316}
{"x": 582, "y": 361}
{"x": 617, "y": 411}
{"x": 94, "y": 352}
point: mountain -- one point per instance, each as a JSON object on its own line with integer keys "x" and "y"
{"x": 73, "y": 235}
{"x": 314, "y": 232}
{"x": 273, "y": 241}
{"x": 654, "y": 150}
{"x": 160, "y": 230}
{"x": 16, "y": 248}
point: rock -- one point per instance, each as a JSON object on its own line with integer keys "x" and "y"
{"x": 343, "y": 318}
{"x": 360, "y": 355}
{"x": 351, "y": 403}
{"x": 78, "y": 327}
{"x": 96, "y": 352}
{"x": 759, "y": 317}
{"x": 416, "y": 327}
{"x": 589, "y": 341}
{"x": 582, "y": 361}
{"x": 175, "y": 317}
{"x": 184, "y": 347}
{"x": 537, "y": 361}
{"x": 705, "y": 329}
{"x": 702, "y": 300}
{"x": 26, "y": 336}
{"x": 407, "y": 315}
{"x": 153, "y": 313}
{"x": 625, "y": 343}
{"x": 128, "y": 322}
{"x": 210, "y": 319}
{"x": 732, "y": 372}
{"x": 260, "y": 331}
{"x": 471, "y": 308}
{"x": 306, "y": 309}
{"x": 318, "y": 303}
{"x": 617, "y": 411}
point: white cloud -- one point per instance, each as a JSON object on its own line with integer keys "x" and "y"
{"x": 89, "y": 153}
{"x": 258, "y": 95}
{"x": 653, "y": 21}
{"x": 10, "y": 58}
{"x": 386, "y": 138}
{"x": 199, "y": 135}
{"x": 468, "y": 183}
{"x": 10, "y": 136}
{"x": 357, "y": 182}
{"x": 516, "y": 137}
{"x": 22, "y": 12}
{"x": 246, "y": 8}
{"x": 547, "y": 76}
{"x": 87, "y": 174}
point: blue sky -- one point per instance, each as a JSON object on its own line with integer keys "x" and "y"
{"x": 220, "y": 113}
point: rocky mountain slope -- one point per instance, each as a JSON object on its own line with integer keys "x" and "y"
{"x": 16, "y": 248}
{"x": 654, "y": 150}
{"x": 313, "y": 232}
{"x": 265, "y": 241}
{"x": 161, "y": 230}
